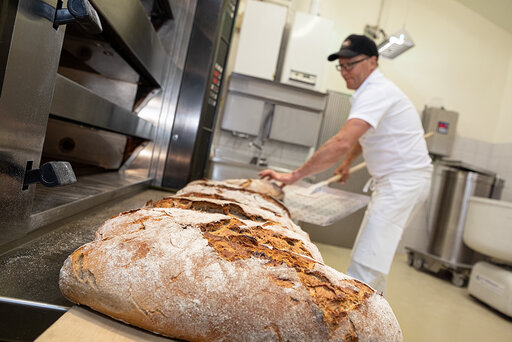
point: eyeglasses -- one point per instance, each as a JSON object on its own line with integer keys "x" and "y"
{"x": 349, "y": 66}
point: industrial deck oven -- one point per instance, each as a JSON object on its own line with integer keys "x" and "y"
{"x": 126, "y": 92}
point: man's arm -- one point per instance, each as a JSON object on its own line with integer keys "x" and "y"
{"x": 344, "y": 168}
{"x": 328, "y": 154}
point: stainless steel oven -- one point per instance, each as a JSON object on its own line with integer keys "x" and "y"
{"x": 125, "y": 91}
{"x": 128, "y": 104}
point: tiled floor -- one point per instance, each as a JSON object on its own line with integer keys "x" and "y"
{"x": 430, "y": 308}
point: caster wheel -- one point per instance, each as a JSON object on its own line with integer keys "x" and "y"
{"x": 418, "y": 263}
{"x": 459, "y": 279}
{"x": 410, "y": 258}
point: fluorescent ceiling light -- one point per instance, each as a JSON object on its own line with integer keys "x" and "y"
{"x": 396, "y": 44}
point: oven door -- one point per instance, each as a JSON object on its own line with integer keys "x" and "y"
{"x": 29, "y": 56}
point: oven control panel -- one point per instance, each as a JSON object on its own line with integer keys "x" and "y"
{"x": 215, "y": 84}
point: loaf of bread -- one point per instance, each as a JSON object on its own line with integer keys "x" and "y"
{"x": 227, "y": 191}
{"x": 199, "y": 268}
{"x": 258, "y": 185}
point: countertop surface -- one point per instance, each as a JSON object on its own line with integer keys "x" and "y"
{"x": 31, "y": 270}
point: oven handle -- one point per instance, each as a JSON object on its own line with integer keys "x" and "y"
{"x": 54, "y": 173}
{"x": 79, "y": 11}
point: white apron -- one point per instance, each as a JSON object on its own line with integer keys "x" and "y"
{"x": 392, "y": 203}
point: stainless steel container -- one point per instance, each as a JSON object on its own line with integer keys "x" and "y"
{"x": 457, "y": 185}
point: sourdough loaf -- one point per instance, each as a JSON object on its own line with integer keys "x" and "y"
{"x": 198, "y": 273}
{"x": 226, "y": 191}
{"x": 258, "y": 185}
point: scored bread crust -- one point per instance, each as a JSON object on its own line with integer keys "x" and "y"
{"x": 224, "y": 191}
{"x": 215, "y": 279}
{"x": 257, "y": 185}
{"x": 153, "y": 218}
{"x": 236, "y": 209}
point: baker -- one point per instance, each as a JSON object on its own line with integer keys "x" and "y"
{"x": 384, "y": 126}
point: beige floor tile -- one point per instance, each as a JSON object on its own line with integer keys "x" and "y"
{"x": 430, "y": 308}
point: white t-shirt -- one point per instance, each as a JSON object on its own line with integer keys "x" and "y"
{"x": 395, "y": 140}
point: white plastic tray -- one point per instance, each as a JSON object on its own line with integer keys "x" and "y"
{"x": 323, "y": 208}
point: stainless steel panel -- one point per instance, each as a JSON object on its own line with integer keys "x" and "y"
{"x": 51, "y": 205}
{"x": 119, "y": 92}
{"x": 221, "y": 171}
{"x": 29, "y": 78}
{"x": 75, "y": 102}
{"x": 8, "y": 11}
{"x": 295, "y": 126}
{"x": 129, "y": 21}
{"x": 277, "y": 93}
{"x": 101, "y": 57}
{"x": 161, "y": 109}
{"x": 187, "y": 130}
{"x": 243, "y": 114}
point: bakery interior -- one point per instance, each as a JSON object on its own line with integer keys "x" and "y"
{"x": 137, "y": 98}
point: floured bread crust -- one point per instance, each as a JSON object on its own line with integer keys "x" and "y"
{"x": 258, "y": 185}
{"x": 224, "y": 191}
{"x": 231, "y": 208}
{"x": 153, "y": 218}
{"x": 194, "y": 272}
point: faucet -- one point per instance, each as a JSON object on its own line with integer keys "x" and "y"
{"x": 259, "y": 142}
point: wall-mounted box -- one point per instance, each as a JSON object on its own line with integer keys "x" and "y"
{"x": 260, "y": 39}
{"x": 443, "y": 124}
{"x": 307, "y": 51}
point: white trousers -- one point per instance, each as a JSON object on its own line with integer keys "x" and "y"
{"x": 393, "y": 202}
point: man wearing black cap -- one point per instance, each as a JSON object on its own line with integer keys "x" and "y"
{"x": 385, "y": 127}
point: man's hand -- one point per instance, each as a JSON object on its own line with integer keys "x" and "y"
{"x": 285, "y": 178}
{"x": 343, "y": 170}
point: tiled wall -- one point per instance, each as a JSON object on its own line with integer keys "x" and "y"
{"x": 277, "y": 153}
{"x": 492, "y": 157}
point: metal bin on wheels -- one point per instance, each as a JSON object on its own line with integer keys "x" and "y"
{"x": 453, "y": 184}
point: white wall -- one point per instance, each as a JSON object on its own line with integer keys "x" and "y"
{"x": 461, "y": 60}
{"x": 503, "y": 134}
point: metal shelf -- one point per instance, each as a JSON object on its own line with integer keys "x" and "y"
{"x": 77, "y": 103}
{"x": 53, "y": 204}
{"x": 130, "y": 23}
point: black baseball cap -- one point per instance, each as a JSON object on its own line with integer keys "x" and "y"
{"x": 355, "y": 45}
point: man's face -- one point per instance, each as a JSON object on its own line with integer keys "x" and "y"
{"x": 356, "y": 69}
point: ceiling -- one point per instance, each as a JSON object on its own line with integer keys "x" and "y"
{"x": 497, "y": 11}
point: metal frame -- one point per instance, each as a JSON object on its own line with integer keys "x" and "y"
{"x": 195, "y": 117}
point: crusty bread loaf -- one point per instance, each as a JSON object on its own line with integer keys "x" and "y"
{"x": 226, "y": 191}
{"x": 198, "y": 273}
{"x": 259, "y": 185}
